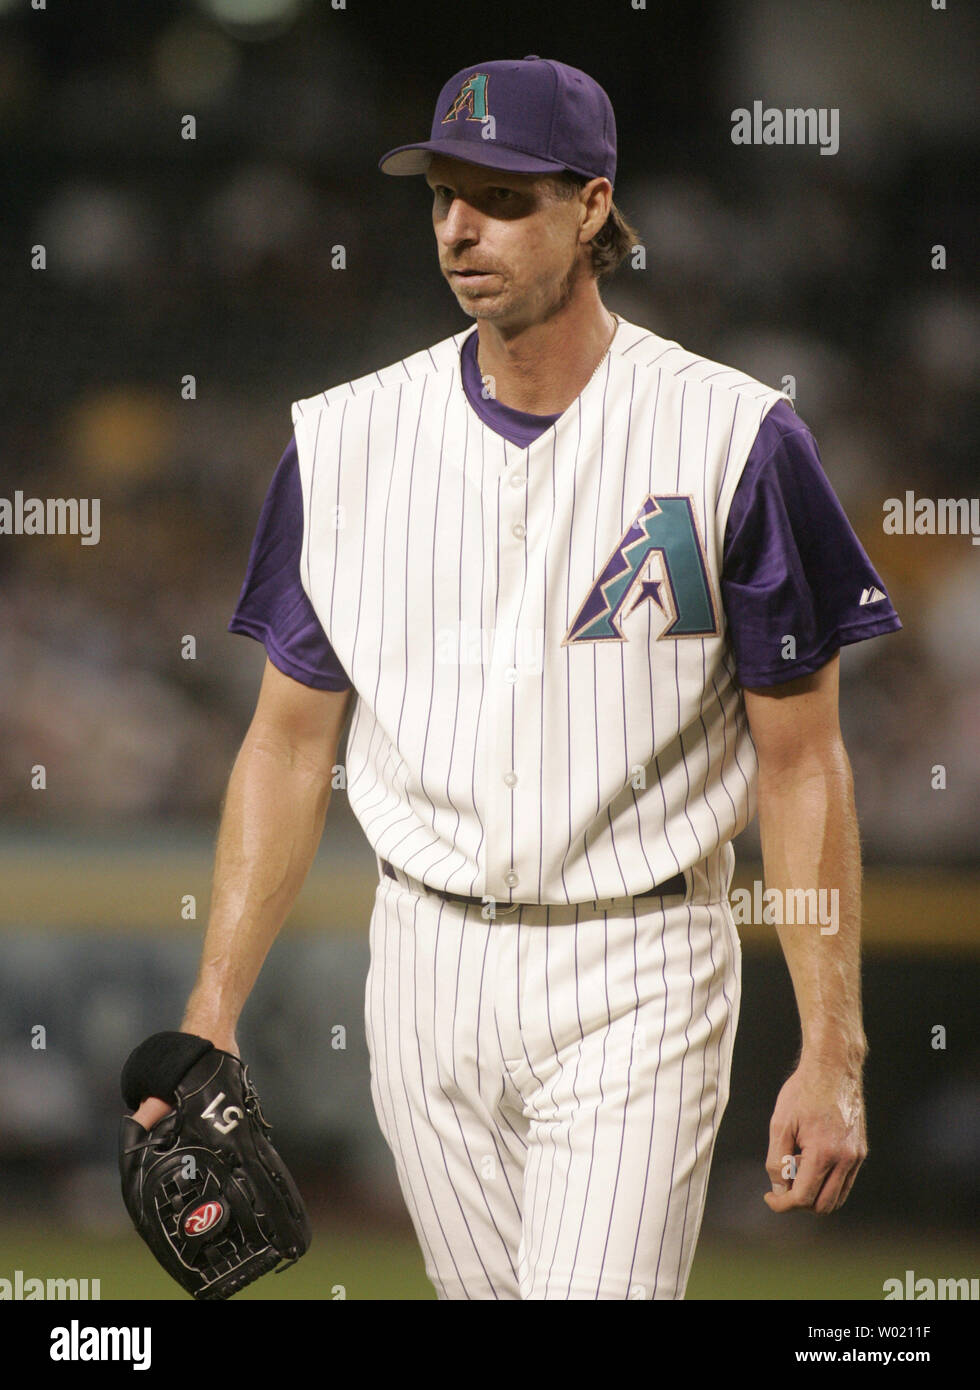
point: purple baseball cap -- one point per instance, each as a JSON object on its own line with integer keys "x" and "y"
{"x": 529, "y": 116}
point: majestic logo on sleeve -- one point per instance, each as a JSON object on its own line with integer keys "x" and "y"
{"x": 471, "y": 99}
{"x": 660, "y": 560}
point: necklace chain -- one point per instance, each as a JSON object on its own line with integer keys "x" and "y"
{"x": 606, "y": 353}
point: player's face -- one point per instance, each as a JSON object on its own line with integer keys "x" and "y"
{"x": 507, "y": 245}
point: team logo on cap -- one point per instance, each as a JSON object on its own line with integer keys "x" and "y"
{"x": 203, "y": 1218}
{"x": 471, "y": 100}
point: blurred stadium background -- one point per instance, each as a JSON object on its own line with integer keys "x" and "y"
{"x": 214, "y": 257}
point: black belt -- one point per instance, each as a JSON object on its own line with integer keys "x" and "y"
{"x": 676, "y": 885}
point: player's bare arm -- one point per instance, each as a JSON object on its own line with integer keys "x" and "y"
{"x": 272, "y": 822}
{"x": 810, "y": 839}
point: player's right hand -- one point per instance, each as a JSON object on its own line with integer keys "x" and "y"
{"x": 151, "y": 1112}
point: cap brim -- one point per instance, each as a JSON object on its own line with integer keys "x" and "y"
{"x": 415, "y": 159}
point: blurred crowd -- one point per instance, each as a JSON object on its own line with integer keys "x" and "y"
{"x": 192, "y": 289}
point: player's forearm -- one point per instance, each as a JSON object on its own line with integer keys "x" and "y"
{"x": 270, "y": 829}
{"x": 809, "y": 832}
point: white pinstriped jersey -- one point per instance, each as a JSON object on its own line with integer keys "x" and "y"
{"x": 546, "y": 703}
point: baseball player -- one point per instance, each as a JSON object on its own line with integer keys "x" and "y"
{"x": 586, "y": 591}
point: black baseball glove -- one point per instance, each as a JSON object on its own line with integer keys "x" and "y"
{"x": 205, "y": 1188}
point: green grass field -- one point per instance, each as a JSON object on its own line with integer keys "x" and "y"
{"x": 381, "y": 1266}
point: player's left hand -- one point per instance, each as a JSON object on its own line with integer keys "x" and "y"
{"x": 817, "y": 1139}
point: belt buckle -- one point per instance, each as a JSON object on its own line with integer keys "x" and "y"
{"x": 497, "y": 911}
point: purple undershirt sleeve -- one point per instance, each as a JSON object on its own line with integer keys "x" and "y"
{"x": 273, "y": 606}
{"x": 793, "y": 567}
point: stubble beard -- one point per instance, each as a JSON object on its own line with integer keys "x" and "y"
{"x": 562, "y": 297}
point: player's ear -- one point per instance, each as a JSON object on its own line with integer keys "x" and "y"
{"x": 596, "y": 201}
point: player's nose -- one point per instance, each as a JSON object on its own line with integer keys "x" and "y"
{"x": 461, "y": 223}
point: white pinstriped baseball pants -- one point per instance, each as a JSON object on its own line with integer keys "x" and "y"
{"x": 551, "y": 1085}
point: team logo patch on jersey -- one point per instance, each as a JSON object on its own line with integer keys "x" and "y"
{"x": 470, "y": 100}
{"x": 663, "y": 533}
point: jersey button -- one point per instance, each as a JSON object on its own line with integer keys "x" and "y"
{"x": 511, "y": 880}
{"x": 519, "y": 530}
{"x": 517, "y": 480}
{"x": 510, "y": 778}
{"x": 510, "y": 675}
